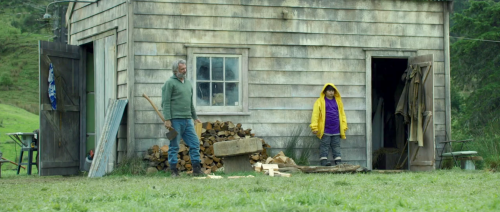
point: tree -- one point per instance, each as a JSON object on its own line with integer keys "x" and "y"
{"x": 476, "y": 60}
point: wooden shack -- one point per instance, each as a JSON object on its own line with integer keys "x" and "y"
{"x": 268, "y": 60}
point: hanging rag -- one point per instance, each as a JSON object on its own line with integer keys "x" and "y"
{"x": 411, "y": 105}
{"x": 52, "y": 88}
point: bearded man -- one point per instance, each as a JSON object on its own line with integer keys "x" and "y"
{"x": 179, "y": 113}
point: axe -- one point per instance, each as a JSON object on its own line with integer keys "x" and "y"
{"x": 171, "y": 131}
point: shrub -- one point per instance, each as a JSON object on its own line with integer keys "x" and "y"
{"x": 6, "y": 80}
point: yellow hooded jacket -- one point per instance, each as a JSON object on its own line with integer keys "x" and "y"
{"x": 319, "y": 113}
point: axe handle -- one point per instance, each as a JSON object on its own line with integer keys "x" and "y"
{"x": 156, "y": 109}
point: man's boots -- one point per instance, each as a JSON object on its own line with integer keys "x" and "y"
{"x": 324, "y": 162}
{"x": 174, "y": 171}
{"x": 197, "y": 170}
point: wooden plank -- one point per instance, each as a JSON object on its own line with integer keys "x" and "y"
{"x": 439, "y": 80}
{"x": 257, "y": 24}
{"x": 121, "y": 77}
{"x": 439, "y": 117}
{"x": 118, "y": 24}
{"x": 438, "y": 55}
{"x": 158, "y": 130}
{"x": 339, "y": 4}
{"x": 107, "y": 16}
{"x": 306, "y": 64}
{"x": 149, "y": 48}
{"x": 99, "y": 93}
{"x": 439, "y": 105}
{"x": 270, "y": 38}
{"x": 156, "y": 62}
{"x": 122, "y": 50}
{"x": 85, "y": 10}
{"x": 272, "y": 103}
{"x": 352, "y": 141}
{"x": 152, "y": 76}
{"x": 438, "y": 67}
{"x": 131, "y": 151}
{"x": 265, "y": 90}
{"x": 247, "y": 11}
{"x": 439, "y": 92}
{"x": 122, "y": 91}
{"x": 354, "y": 103}
{"x": 447, "y": 69}
{"x": 306, "y": 77}
{"x": 122, "y": 36}
{"x": 257, "y": 116}
{"x": 122, "y": 63}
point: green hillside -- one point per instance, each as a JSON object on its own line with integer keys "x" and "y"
{"x": 13, "y": 119}
{"x": 19, "y": 51}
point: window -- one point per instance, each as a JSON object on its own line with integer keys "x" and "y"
{"x": 219, "y": 77}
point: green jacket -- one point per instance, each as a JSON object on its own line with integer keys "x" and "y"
{"x": 177, "y": 99}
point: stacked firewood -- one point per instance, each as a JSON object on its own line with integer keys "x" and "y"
{"x": 210, "y": 133}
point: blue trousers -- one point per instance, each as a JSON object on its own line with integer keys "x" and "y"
{"x": 328, "y": 142}
{"x": 185, "y": 129}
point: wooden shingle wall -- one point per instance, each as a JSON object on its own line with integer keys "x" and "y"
{"x": 289, "y": 60}
{"x": 89, "y": 20}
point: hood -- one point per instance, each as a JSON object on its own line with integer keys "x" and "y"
{"x": 337, "y": 93}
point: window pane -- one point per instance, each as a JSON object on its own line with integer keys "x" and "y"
{"x": 217, "y": 72}
{"x": 218, "y": 94}
{"x": 232, "y": 94}
{"x": 203, "y": 93}
{"x": 232, "y": 68}
{"x": 202, "y": 68}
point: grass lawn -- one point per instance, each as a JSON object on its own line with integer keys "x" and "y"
{"x": 443, "y": 190}
{"x": 13, "y": 119}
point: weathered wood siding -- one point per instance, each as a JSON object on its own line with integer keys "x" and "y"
{"x": 289, "y": 60}
{"x": 88, "y": 20}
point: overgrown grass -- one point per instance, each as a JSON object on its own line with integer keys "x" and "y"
{"x": 453, "y": 190}
{"x": 486, "y": 142}
{"x": 13, "y": 120}
{"x": 299, "y": 151}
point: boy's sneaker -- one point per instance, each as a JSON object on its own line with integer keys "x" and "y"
{"x": 325, "y": 162}
{"x": 337, "y": 161}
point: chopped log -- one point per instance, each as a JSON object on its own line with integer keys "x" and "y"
{"x": 208, "y": 161}
{"x": 164, "y": 148}
{"x": 255, "y": 156}
{"x": 216, "y": 159}
{"x": 207, "y": 126}
{"x": 238, "y": 125}
{"x": 182, "y": 148}
{"x": 344, "y": 168}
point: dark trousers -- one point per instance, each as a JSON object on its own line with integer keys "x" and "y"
{"x": 328, "y": 142}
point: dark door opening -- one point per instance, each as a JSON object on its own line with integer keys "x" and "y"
{"x": 388, "y": 130}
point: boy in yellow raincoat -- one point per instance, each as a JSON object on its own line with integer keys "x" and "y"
{"x": 329, "y": 123}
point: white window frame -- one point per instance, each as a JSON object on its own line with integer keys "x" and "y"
{"x": 220, "y": 51}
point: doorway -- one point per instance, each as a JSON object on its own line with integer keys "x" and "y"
{"x": 388, "y": 129}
